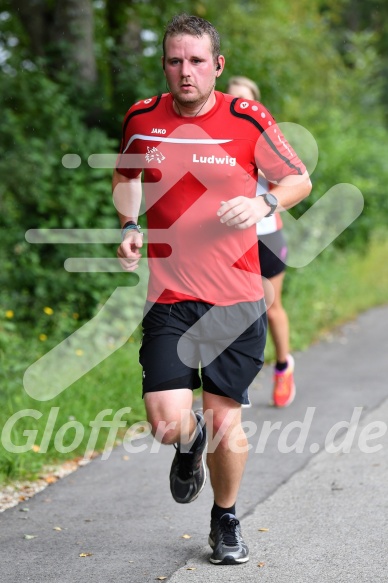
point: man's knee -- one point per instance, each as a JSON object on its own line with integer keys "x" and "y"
{"x": 165, "y": 432}
{"x": 169, "y": 425}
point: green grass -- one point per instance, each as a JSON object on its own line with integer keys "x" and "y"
{"x": 334, "y": 288}
{"x": 113, "y": 385}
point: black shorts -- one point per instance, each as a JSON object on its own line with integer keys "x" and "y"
{"x": 272, "y": 254}
{"x": 223, "y": 343}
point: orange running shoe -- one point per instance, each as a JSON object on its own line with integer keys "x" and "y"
{"x": 283, "y": 385}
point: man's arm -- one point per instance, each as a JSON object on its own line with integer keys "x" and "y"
{"x": 127, "y": 194}
{"x": 291, "y": 190}
{"x": 242, "y": 212}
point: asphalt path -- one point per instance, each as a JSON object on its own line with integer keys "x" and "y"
{"x": 313, "y": 503}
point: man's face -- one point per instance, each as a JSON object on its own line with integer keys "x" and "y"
{"x": 189, "y": 68}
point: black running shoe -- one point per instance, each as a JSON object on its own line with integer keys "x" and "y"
{"x": 226, "y": 541}
{"x": 188, "y": 471}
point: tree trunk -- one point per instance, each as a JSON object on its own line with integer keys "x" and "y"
{"x": 32, "y": 15}
{"x": 63, "y": 33}
{"x": 73, "y": 28}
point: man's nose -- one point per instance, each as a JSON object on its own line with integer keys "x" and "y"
{"x": 185, "y": 70}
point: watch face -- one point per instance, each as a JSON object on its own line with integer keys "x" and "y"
{"x": 271, "y": 199}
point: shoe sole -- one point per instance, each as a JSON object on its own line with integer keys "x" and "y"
{"x": 203, "y": 460}
{"x": 229, "y": 561}
{"x": 201, "y": 488}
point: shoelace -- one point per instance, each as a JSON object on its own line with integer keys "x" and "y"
{"x": 229, "y": 532}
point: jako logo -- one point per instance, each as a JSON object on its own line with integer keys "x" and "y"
{"x": 157, "y": 131}
{"x": 214, "y": 160}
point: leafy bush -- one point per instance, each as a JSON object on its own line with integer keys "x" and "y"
{"x": 40, "y": 126}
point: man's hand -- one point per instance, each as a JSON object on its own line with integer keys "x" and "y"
{"x": 242, "y": 212}
{"x": 128, "y": 252}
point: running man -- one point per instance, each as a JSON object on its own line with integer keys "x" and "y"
{"x": 204, "y": 320}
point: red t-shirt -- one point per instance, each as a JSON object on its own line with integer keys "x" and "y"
{"x": 190, "y": 165}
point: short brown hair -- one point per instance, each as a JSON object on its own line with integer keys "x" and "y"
{"x": 246, "y": 83}
{"x": 195, "y": 26}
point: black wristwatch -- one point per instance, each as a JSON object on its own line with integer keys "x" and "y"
{"x": 271, "y": 201}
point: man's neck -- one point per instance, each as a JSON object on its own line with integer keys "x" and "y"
{"x": 190, "y": 110}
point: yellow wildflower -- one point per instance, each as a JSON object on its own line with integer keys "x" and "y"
{"x": 48, "y": 311}
{"x": 42, "y": 337}
{"x": 9, "y": 314}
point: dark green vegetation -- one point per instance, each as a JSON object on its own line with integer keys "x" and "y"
{"x": 69, "y": 72}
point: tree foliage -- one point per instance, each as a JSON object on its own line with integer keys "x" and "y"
{"x": 70, "y": 70}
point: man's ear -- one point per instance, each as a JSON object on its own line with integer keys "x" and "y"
{"x": 220, "y": 64}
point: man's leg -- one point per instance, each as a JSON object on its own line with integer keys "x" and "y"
{"x": 169, "y": 413}
{"x": 173, "y": 422}
{"x": 226, "y": 458}
{"x": 227, "y": 462}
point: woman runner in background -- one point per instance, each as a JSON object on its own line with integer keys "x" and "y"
{"x": 272, "y": 253}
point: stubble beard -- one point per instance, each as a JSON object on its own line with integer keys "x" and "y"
{"x": 191, "y": 102}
